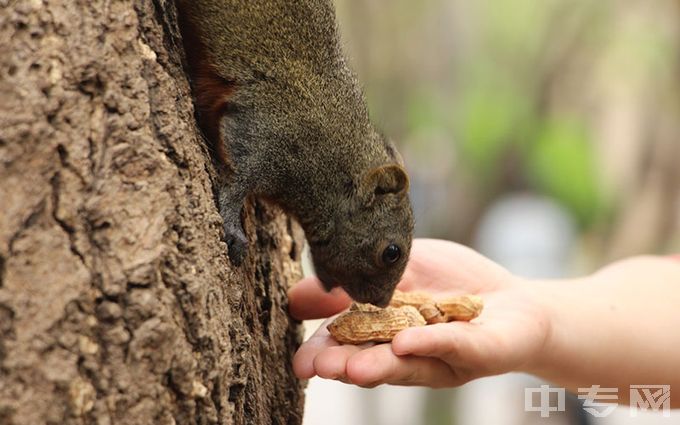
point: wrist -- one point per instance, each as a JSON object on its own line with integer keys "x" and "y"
{"x": 557, "y": 301}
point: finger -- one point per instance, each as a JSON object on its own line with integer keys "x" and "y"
{"x": 303, "y": 361}
{"x": 308, "y": 300}
{"x": 379, "y": 365}
{"x": 331, "y": 363}
{"x": 455, "y": 343}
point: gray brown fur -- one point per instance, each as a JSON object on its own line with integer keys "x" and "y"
{"x": 296, "y": 130}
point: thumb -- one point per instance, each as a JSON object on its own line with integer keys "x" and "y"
{"x": 456, "y": 342}
{"x": 308, "y": 300}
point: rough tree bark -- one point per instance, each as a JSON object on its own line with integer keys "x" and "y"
{"x": 118, "y": 304}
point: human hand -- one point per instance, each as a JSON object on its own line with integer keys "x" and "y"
{"x": 507, "y": 336}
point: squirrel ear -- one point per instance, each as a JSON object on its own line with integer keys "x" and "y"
{"x": 387, "y": 179}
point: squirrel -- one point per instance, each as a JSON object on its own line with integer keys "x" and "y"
{"x": 286, "y": 120}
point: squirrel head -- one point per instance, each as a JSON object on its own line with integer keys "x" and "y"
{"x": 367, "y": 249}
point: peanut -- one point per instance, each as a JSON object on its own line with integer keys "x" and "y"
{"x": 462, "y": 307}
{"x": 359, "y": 326}
{"x": 367, "y": 323}
{"x": 414, "y": 299}
{"x": 431, "y": 313}
{"x": 363, "y": 307}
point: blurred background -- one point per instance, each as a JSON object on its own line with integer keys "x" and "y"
{"x": 545, "y": 134}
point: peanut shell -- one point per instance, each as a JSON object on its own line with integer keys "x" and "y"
{"x": 431, "y": 313}
{"x": 462, "y": 307}
{"x": 357, "y": 327}
{"x": 414, "y": 299}
{"x": 363, "y": 307}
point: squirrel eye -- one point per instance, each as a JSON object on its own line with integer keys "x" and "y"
{"x": 391, "y": 254}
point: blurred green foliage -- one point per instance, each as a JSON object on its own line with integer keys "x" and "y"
{"x": 519, "y": 95}
{"x": 502, "y": 115}
{"x": 561, "y": 164}
{"x": 495, "y": 117}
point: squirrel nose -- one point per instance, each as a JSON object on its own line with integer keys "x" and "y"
{"x": 378, "y": 296}
{"x": 382, "y": 301}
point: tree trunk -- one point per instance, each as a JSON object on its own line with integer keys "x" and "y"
{"x": 118, "y": 304}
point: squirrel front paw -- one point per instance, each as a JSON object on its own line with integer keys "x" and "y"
{"x": 237, "y": 243}
{"x": 230, "y": 202}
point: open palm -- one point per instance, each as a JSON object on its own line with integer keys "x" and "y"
{"x": 507, "y": 336}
